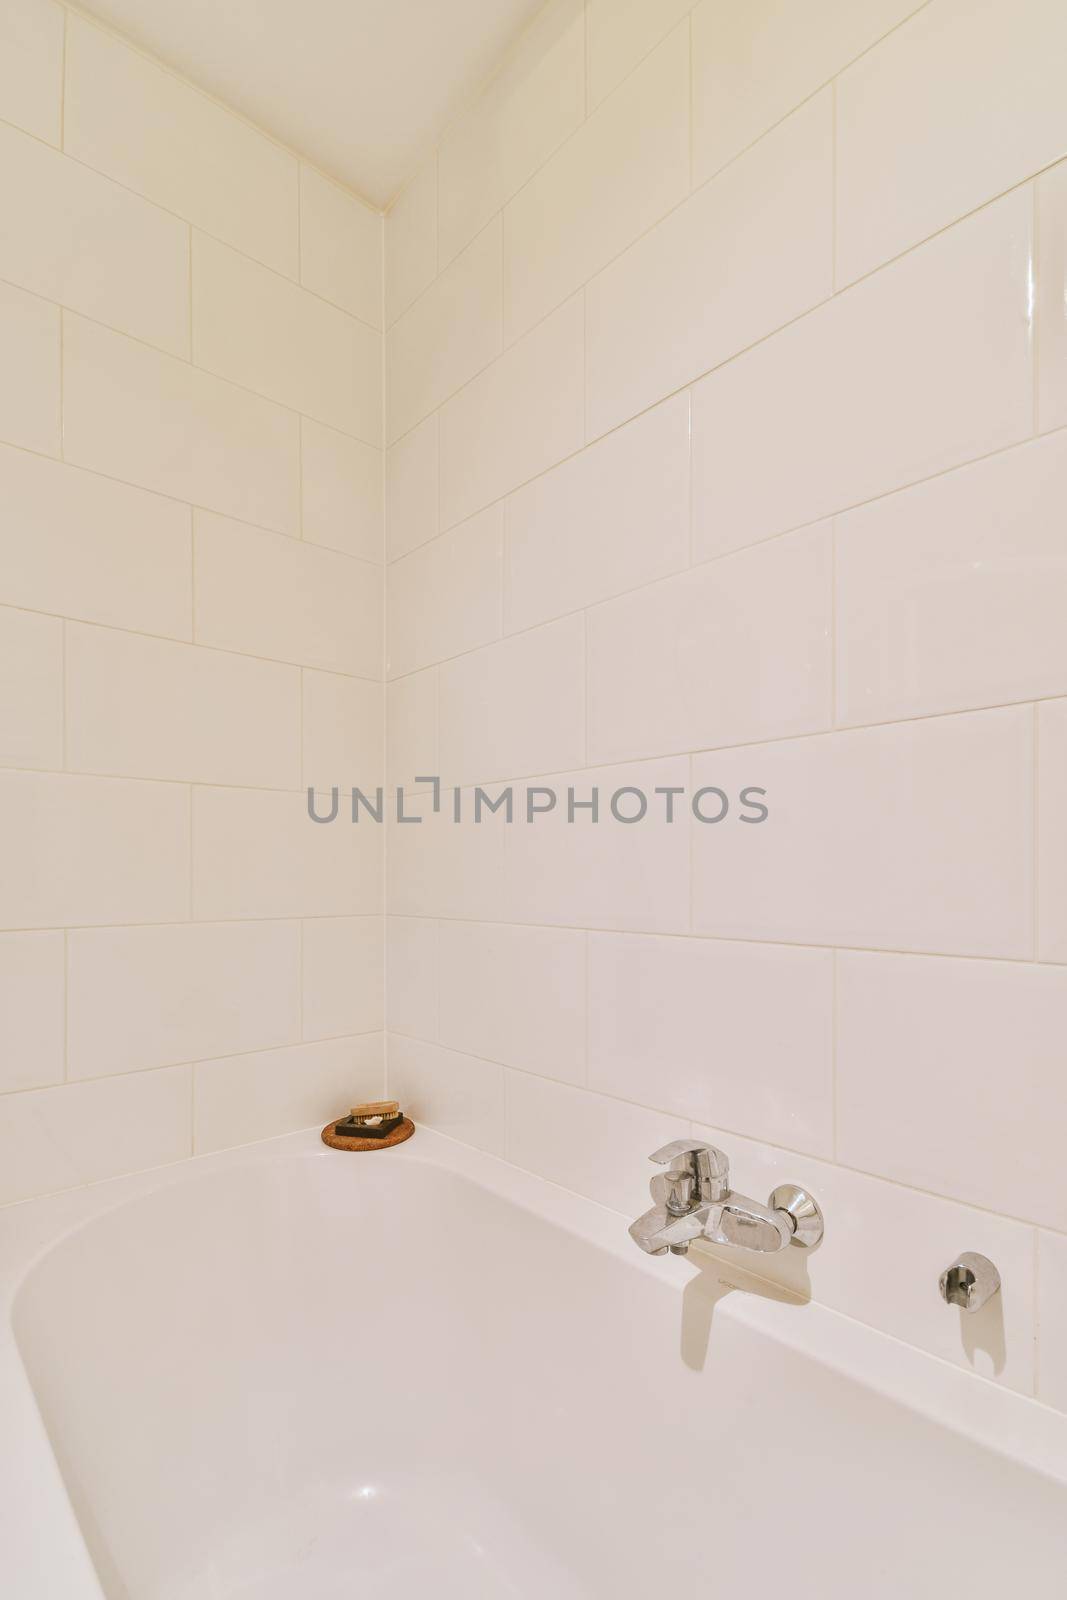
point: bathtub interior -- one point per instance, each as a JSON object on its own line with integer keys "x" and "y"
{"x": 321, "y": 1377}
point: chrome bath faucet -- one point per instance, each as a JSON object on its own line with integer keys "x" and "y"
{"x": 693, "y": 1200}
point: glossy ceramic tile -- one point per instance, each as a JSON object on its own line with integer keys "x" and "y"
{"x": 84, "y": 546}
{"x": 32, "y": 1001}
{"x": 611, "y": 518}
{"x": 586, "y": 1142}
{"x": 77, "y": 238}
{"x": 519, "y": 416}
{"x": 493, "y": 984}
{"x": 29, "y": 376}
{"x": 150, "y": 997}
{"x": 411, "y": 728}
{"x": 412, "y": 976}
{"x": 124, "y": 406}
{"x": 915, "y": 836}
{"x": 702, "y": 1027}
{"x": 411, "y": 241}
{"x": 458, "y": 1095}
{"x": 1051, "y": 843}
{"x": 31, "y": 689}
{"x": 84, "y": 1132}
{"x": 617, "y": 175}
{"x": 529, "y": 107}
{"x": 977, "y": 1045}
{"x": 515, "y": 708}
{"x": 340, "y": 247}
{"x": 676, "y": 304}
{"x": 451, "y": 332}
{"x": 753, "y": 63}
{"x": 952, "y": 594}
{"x": 93, "y": 850}
{"x": 259, "y": 854}
{"x": 730, "y": 652}
{"x": 256, "y": 329}
{"x": 31, "y": 67}
{"x": 445, "y": 597}
{"x": 411, "y": 489}
{"x": 1052, "y": 1319}
{"x": 269, "y": 596}
{"x": 1051, "y": 190}
{"x": 343, "y": 976}
{"x": 252, "y": 1097}
{"x": 341, "y": 491}
{"x": 342, "y": 731}
{"x": 620, "y": 34}
{"x": 157, "y": 135}
{"x": 440, "y": 868}
{"x": 985, "y": 110}
{"x": 152, "y": 708}
{"x": 921, "y": 367}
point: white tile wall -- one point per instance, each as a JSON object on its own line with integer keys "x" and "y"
{"x": 445, "y": 597}
{"x": 168, "y": 907}
{"x": 1051, "y": 298}
{"x": 1051, "y": 841}
{"x": 620, "y": 33}
{"x": 411, "y": 262}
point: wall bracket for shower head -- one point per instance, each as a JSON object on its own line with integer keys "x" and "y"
{"x": 969, "y": 1282}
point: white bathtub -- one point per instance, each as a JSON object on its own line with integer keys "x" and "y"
{"x": 290, "y": 1374}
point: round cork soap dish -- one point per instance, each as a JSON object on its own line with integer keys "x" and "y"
{"x": 377, "y": 1125}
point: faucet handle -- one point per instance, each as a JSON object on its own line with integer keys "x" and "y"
{"x": 708, "y": 1168}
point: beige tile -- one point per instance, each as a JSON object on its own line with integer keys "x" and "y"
{"x": 451, "y": 332}
{"x": 82, "y": 1133}
{"x": 458, "y": 1095}
{"x": 978, "y": 1046}
{"x": 1051, "y": 304}
{"x": 411, "y": 742}
{"x": 343, "y": 976}
{"x": 247, "y": 1098}
{"x": 515, "y": 708}
{"x": 495, "y": 981}
{"x": 1051, "y": 842}
{"x": 519, "y": 416}
{"x": 620, "y": 34}
{"x": 952, "y": 594}
{"x": 340, "y": 247}
{"x": 985, "y": 110}
{"x": 888, "y": 384}
{"x": 270, "y": 596}
{"x": 603, "y": 874}
{"x": 31, "y": 66}
{"x": 31, "y": 689}
{"x": 412, "y": 976}
{"x": 341, "y": 491}
{"x": 586, "y": 1142}
{"x": 733, "y": 651}
{"x": 765, "y": 1066}
{"x": 915, "y": 836}
{"x": 29, "y": 371}
{"x": 411, "y": 241}
{"x": 75, "y": 237}
{"x": 445, "y": 597}
{"x": 343, "y": 731}
{"x": 93, "y": 850}
{"x": 412, "y": 470}
{"x": 753, "y": 63}
{"x": 676, "y": 303}
{"x": 865, "y": 1216}
{"x": 152, "y": 708}
{"x": 84, "y": 546}
{"x": 620, "y": 172}
{"x": 132, "y": 413}
{"x": 259, "y": 854}
{"x": 531, "y": 105}
{"x": 151, "y": 997}
{"x": 32, "y": 1010}
{"x": 260, "y": 331}
{"x": 611, "y": 518}
{"x": 1052, "y": 1319}
{"x": 157, "y": 135}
